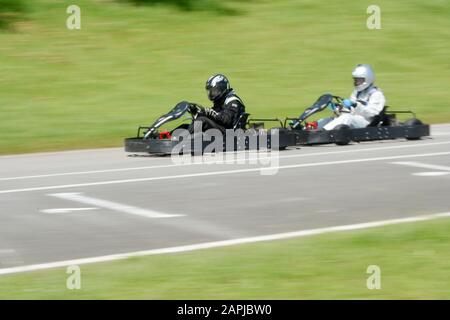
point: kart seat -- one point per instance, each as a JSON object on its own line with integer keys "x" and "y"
{"x": 381, "y": 119}
{"x": 241, "y": 121}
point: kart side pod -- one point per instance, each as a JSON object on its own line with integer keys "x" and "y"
{"x": 204, "y": 142}
{"x": 343, "y": 135}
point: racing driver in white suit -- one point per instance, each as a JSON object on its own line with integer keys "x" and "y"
{"x": 366, "y": 101}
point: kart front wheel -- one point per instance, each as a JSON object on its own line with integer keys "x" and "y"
{"x": 342, "y": 135}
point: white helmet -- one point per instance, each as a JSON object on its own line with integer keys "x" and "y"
{"x": 363, "y": 76}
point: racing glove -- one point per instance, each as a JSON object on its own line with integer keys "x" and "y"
{"x": 348, "y": 103}
{"x": 210, "y": 113}
{"x": 195, "y": 109}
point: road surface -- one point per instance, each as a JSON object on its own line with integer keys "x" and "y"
{"x": 79, "y": 204}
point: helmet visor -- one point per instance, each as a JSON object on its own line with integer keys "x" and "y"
{"x": 213, "y": 93}
{"x": 358, "y": 81}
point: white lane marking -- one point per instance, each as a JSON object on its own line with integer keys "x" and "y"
{"x": 214, "y": 173}
{"x": 223, "y": 243}
{"x": 66, "y": 210}
{"x": 224, "y": 161}
{"x": 77, "y": 197}
{"x": 431, "y": 174}
{"x": 7, "y": 251}
{"x": 422, "y": 165}
{"x": 444, "y": 169}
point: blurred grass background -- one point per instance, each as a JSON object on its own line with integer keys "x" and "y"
{"x": 134, "y": 59}
{"x": 414, "y": 260}
{"x": 10, "y": 11}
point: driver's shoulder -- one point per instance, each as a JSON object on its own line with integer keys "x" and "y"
{"x": 232, "y": 96}
{"x": 233, "y": 101}
{"x": 377, "y": 93}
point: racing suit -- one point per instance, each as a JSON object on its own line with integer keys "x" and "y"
{"x": 224, "y": 113}
{"x": 369, "y": 103}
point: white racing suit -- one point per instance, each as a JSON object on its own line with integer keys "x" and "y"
{"x": 369, "y": 103}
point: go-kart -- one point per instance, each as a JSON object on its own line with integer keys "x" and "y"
{"x": 384, "y": 126}
{"x": 152, "y": 139}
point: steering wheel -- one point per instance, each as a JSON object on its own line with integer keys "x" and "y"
{"x": 338, "y": 102}
{"x": 195, "y": 110}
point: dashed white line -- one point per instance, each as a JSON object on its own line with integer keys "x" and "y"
{"x": 423, "y": 165}
{"x": 66, "y": 210}
{"x": 224, "y": 243}
{"x": 118, "y": 207}
{"x": 225, "y": 172}
{"x": 431, "y": 174}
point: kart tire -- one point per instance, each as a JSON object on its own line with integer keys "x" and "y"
{"x": 342, "y": 139}
{"x": 413, "y": 122}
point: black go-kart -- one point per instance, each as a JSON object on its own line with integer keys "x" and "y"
{"x": 384, "y": 126}
{"x": 154, "y": 140}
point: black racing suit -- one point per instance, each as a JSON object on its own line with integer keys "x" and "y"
{"x": 227, "y": 111}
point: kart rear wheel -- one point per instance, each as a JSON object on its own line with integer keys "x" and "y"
{"x": 413, "y": 122}
{"x": 342, "y": 138}
{"x": 410, "y": 123}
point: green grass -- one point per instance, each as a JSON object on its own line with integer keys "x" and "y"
{"x": 414, "y": 261}
{"x": 62, "y": 89}
{"x": 10, "y": 11}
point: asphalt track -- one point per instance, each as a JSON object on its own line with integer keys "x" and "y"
{"x": 89, "y": 203}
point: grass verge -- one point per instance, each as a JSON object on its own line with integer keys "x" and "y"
{"x": 414, "y": 261}
{"x": 68, "y": 89}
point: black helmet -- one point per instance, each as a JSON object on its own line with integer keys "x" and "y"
{"x": 217, "y": 86}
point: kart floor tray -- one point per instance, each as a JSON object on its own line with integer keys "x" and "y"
{"x": 203, "y": 144}
{"x": 344, "y": 136}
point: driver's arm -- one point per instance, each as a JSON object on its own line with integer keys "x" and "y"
{"x": 373, "y": 107}
{"x": 228, "y": 114}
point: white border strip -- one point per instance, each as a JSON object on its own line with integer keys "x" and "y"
{"x": 224, "y": 243}
{"x": 215, "y": 173}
